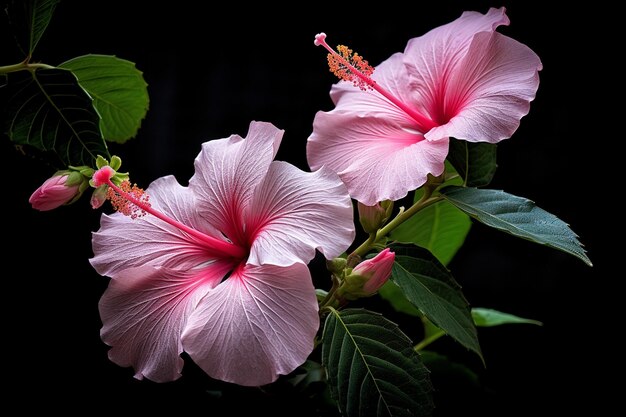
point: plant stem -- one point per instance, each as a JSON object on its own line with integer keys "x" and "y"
{"x": 427, "y": 341}
{"x": 330, "y": 297}
{"x": 23, "y": 66}
{"x": 403, "y": 216}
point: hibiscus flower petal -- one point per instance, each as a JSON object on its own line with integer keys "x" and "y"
{"x": 295, "y": 212}
{"x": 143, "y": 313}
{"x": 493, "y": 88}
{"x": 376, "y": 157}
{"x": 431, "y": 59}
{"x": 256, "y": 325}
{"x": 123, "y": 242}
{"x": 228, "y": 171}
{"x": 391, "y": 75}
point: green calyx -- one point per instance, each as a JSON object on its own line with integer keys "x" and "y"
{"x": 115, "y": 164}
{"x": 352, "y": 286}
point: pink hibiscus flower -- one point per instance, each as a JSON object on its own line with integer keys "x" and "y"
{"x": 461, "y": 80}
{"x": 218, "y": 269}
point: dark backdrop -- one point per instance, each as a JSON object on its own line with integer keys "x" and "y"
{"x": 210, "y": 74}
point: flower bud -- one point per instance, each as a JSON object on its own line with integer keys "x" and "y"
{"x": 336, "y": 265}
{"x": 55, "y": 191}
{"x": 98, "y": 197}
{"x": 367, "y": 277}
{"x": 374, "y": 217}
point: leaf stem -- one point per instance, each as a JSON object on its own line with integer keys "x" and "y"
{"x": 428, "y": 340}
{"x": 24, "y": 66}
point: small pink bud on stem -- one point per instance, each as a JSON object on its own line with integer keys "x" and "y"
{"x": 367, "y": 277}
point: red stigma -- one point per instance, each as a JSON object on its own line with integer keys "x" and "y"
{"x": 103, "y": 176}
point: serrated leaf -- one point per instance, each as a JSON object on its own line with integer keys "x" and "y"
{"x": 119, "y": 93}
{"x": 475, "y": 162}
{"x": 41, "y": 14}
{"x": 517, "y": 216}
{"x": 49, "y": 111}
{"x": 29, "y": 20}
{"x": 430, "y": 330}
{"x": 372, "y": 367}
{"x": 430, "y": 287}
{"x": 394, "y": 295}
{"x": 486, "y": 317}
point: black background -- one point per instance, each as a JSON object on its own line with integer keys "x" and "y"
{"x": 210, "y": 73}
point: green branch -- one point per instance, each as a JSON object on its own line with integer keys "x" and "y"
{"x": 24, "y": 66}
{"x": 403, "y": 216}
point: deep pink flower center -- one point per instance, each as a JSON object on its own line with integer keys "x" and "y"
{"x": 446, "y": 104}
{"x": 214, "y": 247}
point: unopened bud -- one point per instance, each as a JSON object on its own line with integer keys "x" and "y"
{"x": 98, "y": 197}
{"x": 367, "y": 277}
{"x": 374, "y": 217}
{"x": 55, "y": 192}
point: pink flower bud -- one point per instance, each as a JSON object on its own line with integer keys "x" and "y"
{"x": 98, "y": 197}
{"x": 377, "y": 270}
{"x": 53, "y": 193}
{"x": 367, "y": 277}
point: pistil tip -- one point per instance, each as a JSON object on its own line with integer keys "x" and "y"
{"x": 320, "y": 38}
{"x": 103, "y": 176}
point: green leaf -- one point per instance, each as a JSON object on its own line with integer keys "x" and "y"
{"x": 307, "y": 374}
{"x": 119, "y": 93}
{"x": 454, "y": 178}
{"x": 310, "y": 382}
{"x": 430, "y": 287}
{"x": 475, "y": 162}
{"x": 430, "y": 330}
{"x": 486, "y": 317}
{"x": 441, "y": 228}
{"x": 372, "y": 367}
{"x": 29, "y": 20}
{"x": 517, "y": 216}
{"x": 49, "y": 111}
{"x": 42, "y": 11}
{"x": 394, "y": 295}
